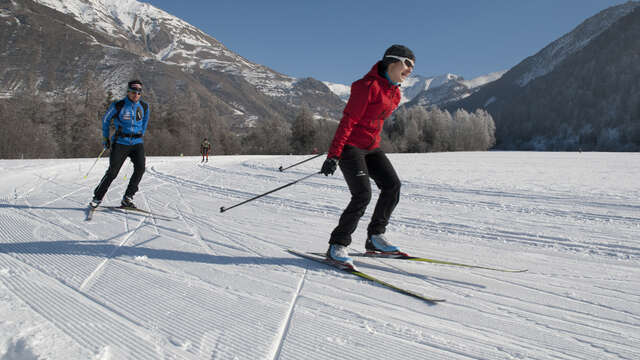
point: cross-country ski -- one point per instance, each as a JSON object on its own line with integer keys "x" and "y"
{"x": 358, "y": 273}
{"x": 433, "y": 261}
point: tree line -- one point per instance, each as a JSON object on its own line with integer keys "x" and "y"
{"x": 417, "y": 129}
{"x": 35, "y": 128}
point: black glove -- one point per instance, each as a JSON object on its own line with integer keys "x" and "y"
{"x": 329, "y": 166}
{"x": 106, "y": 143}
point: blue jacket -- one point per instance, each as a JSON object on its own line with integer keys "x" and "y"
{"x": 127, "y": 121}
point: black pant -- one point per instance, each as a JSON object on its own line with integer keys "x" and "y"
{"x": 119, "y": 154}
{"x": 358, "y": 166}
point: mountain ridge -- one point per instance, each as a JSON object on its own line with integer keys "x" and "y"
{"x": 152, "y": 34}
{"x": 586, "y": 101}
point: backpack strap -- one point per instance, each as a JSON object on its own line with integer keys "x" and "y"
{"x": 140, "y": 114}
{"x": 119, "y": 106}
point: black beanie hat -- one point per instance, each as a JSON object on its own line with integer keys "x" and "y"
{"x": 134, "y": 82}
{"x": 396, "y": 50}
{"x": 399, "y": 50}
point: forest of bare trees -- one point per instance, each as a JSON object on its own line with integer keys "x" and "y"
{"x": 433, "y": 130}
{"x": 33, "y": 128}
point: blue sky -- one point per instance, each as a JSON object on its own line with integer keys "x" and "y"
{"x": 338, "y": 41}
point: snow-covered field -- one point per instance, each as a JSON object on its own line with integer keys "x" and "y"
{"x": 207, "y": 285}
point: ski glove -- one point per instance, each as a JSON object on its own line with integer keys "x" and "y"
{"x": 329, "y": 166}
{"x": 106, "y": 143}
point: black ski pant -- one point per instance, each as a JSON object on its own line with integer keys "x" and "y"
{"x": 358, "y": 166}
{"x": 119, "y": 154}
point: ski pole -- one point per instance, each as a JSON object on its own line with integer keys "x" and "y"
{"x": 95, "y": 162}
{"x": 296, "y": 164}
{"x": 223, "y": 209}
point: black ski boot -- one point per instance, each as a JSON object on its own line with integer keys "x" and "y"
{"x": 127, "y": 202}
{"x": 94, "y": 203}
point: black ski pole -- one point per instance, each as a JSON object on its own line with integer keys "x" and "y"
{"x": 223, "y": 209}
{"x": 296, "y": 164}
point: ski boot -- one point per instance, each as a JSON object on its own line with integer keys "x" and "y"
{"x": 340, "y": 255}
{"x": 377, "y": 244}
{"x": 94, "y": 203}
{"x": 127, "y": 202}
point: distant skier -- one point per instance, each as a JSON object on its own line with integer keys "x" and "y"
{"x": 355, "y": 147}
{"x": 205, "y": 147}
{"x": 130, "y": 117}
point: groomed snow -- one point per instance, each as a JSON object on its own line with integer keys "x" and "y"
{"x": 207, "y": 285}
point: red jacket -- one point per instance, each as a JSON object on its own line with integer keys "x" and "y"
{"x": 372, "y": 100}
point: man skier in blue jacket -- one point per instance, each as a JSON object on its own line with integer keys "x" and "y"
{"x": 130, "y": 117}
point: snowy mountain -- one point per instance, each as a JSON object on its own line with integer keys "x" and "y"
{"x": 580, "y": 91}
{"x": 416, "y": 84}
{"x": 166, "y": 38}
{"x": 449, "y": 88}
{"x": 341, "y": 90}
{"x": 127, "y": 37}
{"x": 483, "y": 79}
{"x": 199, "y": 284}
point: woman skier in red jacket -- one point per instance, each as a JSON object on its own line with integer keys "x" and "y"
{"x": 355, "y": 147}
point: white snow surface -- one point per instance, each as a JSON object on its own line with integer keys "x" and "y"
{"x": 211, "y": 285}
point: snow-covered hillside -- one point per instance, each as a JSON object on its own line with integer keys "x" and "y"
{"x": 343, "y": 91}
{"x": 483, "y": 79}
{"x": 206, "y": 285}
{"x": 179, "y": 43}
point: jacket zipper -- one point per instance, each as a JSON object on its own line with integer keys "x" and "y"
{"x": 133, "y": 109}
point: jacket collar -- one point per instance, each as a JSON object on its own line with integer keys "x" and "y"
{"x": 128, "y": 101}
{"x": 373, "y": 74}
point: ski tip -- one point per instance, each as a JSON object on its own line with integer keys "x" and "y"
{"x": 222, "y": 209}
{"x": 280, "y": 168}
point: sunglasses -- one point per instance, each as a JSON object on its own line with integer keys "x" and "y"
{"x": 407, "y": 62}
{"x": 135, "y": 91}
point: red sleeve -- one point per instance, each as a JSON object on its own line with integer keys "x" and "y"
{"x": 353, "y": 112}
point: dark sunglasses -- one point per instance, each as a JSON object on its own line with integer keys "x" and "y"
{"x": 135, "y": 91}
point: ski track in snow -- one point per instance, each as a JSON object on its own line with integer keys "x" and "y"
{"x": 205, "y": 285}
